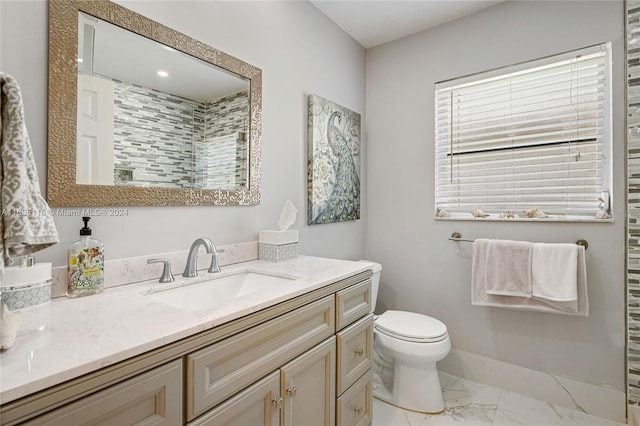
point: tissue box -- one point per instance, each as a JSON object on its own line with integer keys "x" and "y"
{"x": 276, "y": 237}
{"x": 278, "y": 246}
{"x": 277, "y": 252}
{"x": 23, "y": 287}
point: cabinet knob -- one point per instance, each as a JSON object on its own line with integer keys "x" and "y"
{"x": 358, "y": 410}
{"x": 277, "y": 402}
{"x": 291, "y": 391}
{"x": 359, "y": 351}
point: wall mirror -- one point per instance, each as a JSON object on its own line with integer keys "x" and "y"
{"x": 142, "y": 115}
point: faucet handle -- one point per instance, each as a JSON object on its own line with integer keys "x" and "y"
{"x": 166, "y": 276}
{"x": 215, "y": 266}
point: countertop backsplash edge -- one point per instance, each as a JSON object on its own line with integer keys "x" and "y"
{"x": 118, "y": 272}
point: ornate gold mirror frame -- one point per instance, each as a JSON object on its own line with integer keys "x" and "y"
{"x": 62, "y": 189}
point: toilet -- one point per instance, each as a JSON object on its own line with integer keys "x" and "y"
{"x": 406, "y": 347}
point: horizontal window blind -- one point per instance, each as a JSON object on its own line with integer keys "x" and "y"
{"x": 532, "y": 137}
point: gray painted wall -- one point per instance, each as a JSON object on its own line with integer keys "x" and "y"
{"x": 422, "y": 270}
{"x": 300, "y": 52}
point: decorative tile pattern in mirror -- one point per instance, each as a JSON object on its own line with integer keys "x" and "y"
{"x": 144, "y": 134}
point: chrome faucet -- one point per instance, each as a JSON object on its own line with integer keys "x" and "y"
{"x": 166, "y": 276}
{"x": 191, "y": 268}
{"x": 215, "y": 266}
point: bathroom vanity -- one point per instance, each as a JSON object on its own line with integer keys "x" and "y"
{"x": 297, "y": 353}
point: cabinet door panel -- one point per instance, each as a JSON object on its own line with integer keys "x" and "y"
{"x": 219, "y": 371}
{"x": 308, "y": 387}
{"x": 152, "y": 398}
{"x": 355, "y": 352}
{"x": 257, "y": 405}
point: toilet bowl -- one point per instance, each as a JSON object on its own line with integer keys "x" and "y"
{"x": 407, "y": 346}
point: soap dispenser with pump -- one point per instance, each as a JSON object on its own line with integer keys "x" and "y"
{"x": 85, "y": 264}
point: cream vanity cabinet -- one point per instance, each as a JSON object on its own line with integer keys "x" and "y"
{"x": 303, "y": 390}
{"x": 300, "y": 345}
{"x": 300, "y": 393}
{"x": 152, "y": 398}
{"x": 306, "y": 361}
{"x": 354, "y": 356}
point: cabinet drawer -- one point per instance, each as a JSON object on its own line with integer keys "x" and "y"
{"x": 257, "y": 405}
{"x": 353, "y": 303}
{"x": 355, "y": 352}
{"x": 355, "y": 406}
{"x": 152, "y": 398}
{"x": 224, "y": 368}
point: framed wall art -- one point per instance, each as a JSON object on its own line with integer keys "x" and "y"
{"x": 333, "y": 162}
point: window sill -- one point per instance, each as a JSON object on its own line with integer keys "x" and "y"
{"x": 493, "y": 218}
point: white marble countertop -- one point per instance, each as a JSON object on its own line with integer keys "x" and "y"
{"x": 67, "y": 338}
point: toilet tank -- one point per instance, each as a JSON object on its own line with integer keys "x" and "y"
{"x": 375, "y": 282}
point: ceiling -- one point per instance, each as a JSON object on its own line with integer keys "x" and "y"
{"x": 375, "y": 22}
{"x": 370, "y": 22}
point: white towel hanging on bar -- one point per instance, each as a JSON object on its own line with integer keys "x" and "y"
{"x": 480, "y": 297}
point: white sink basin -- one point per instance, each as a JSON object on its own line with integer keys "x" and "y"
{"x": 218, "y": 291}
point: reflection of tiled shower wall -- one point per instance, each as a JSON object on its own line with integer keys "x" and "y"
{"x": 153, "y": 135}
{"x": 633, "y": 209}
{"x": 221, "y": 160}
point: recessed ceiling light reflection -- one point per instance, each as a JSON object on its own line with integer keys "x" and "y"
{"x": 163, "y": 73}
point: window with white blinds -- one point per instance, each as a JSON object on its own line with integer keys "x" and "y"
{"x": 532, "y": 140}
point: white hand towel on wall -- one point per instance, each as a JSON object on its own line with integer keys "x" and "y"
{"x": 480, "y": 297}
{"x": 554, "y": 272}
{"x": 508, "y": 268}
{"x": 557, "y": 288}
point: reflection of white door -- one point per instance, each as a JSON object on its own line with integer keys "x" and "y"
{"x": 94, "y": 150}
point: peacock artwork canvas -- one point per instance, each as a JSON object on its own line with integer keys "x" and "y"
{"x": 333, "y": 167}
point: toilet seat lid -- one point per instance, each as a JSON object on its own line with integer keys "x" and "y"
{"x": 411, "y": 326}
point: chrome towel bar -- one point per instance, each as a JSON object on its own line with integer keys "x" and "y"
{"x": 456, "y": 236}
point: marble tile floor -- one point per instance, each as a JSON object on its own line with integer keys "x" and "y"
{"x": 473, "y": 404}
